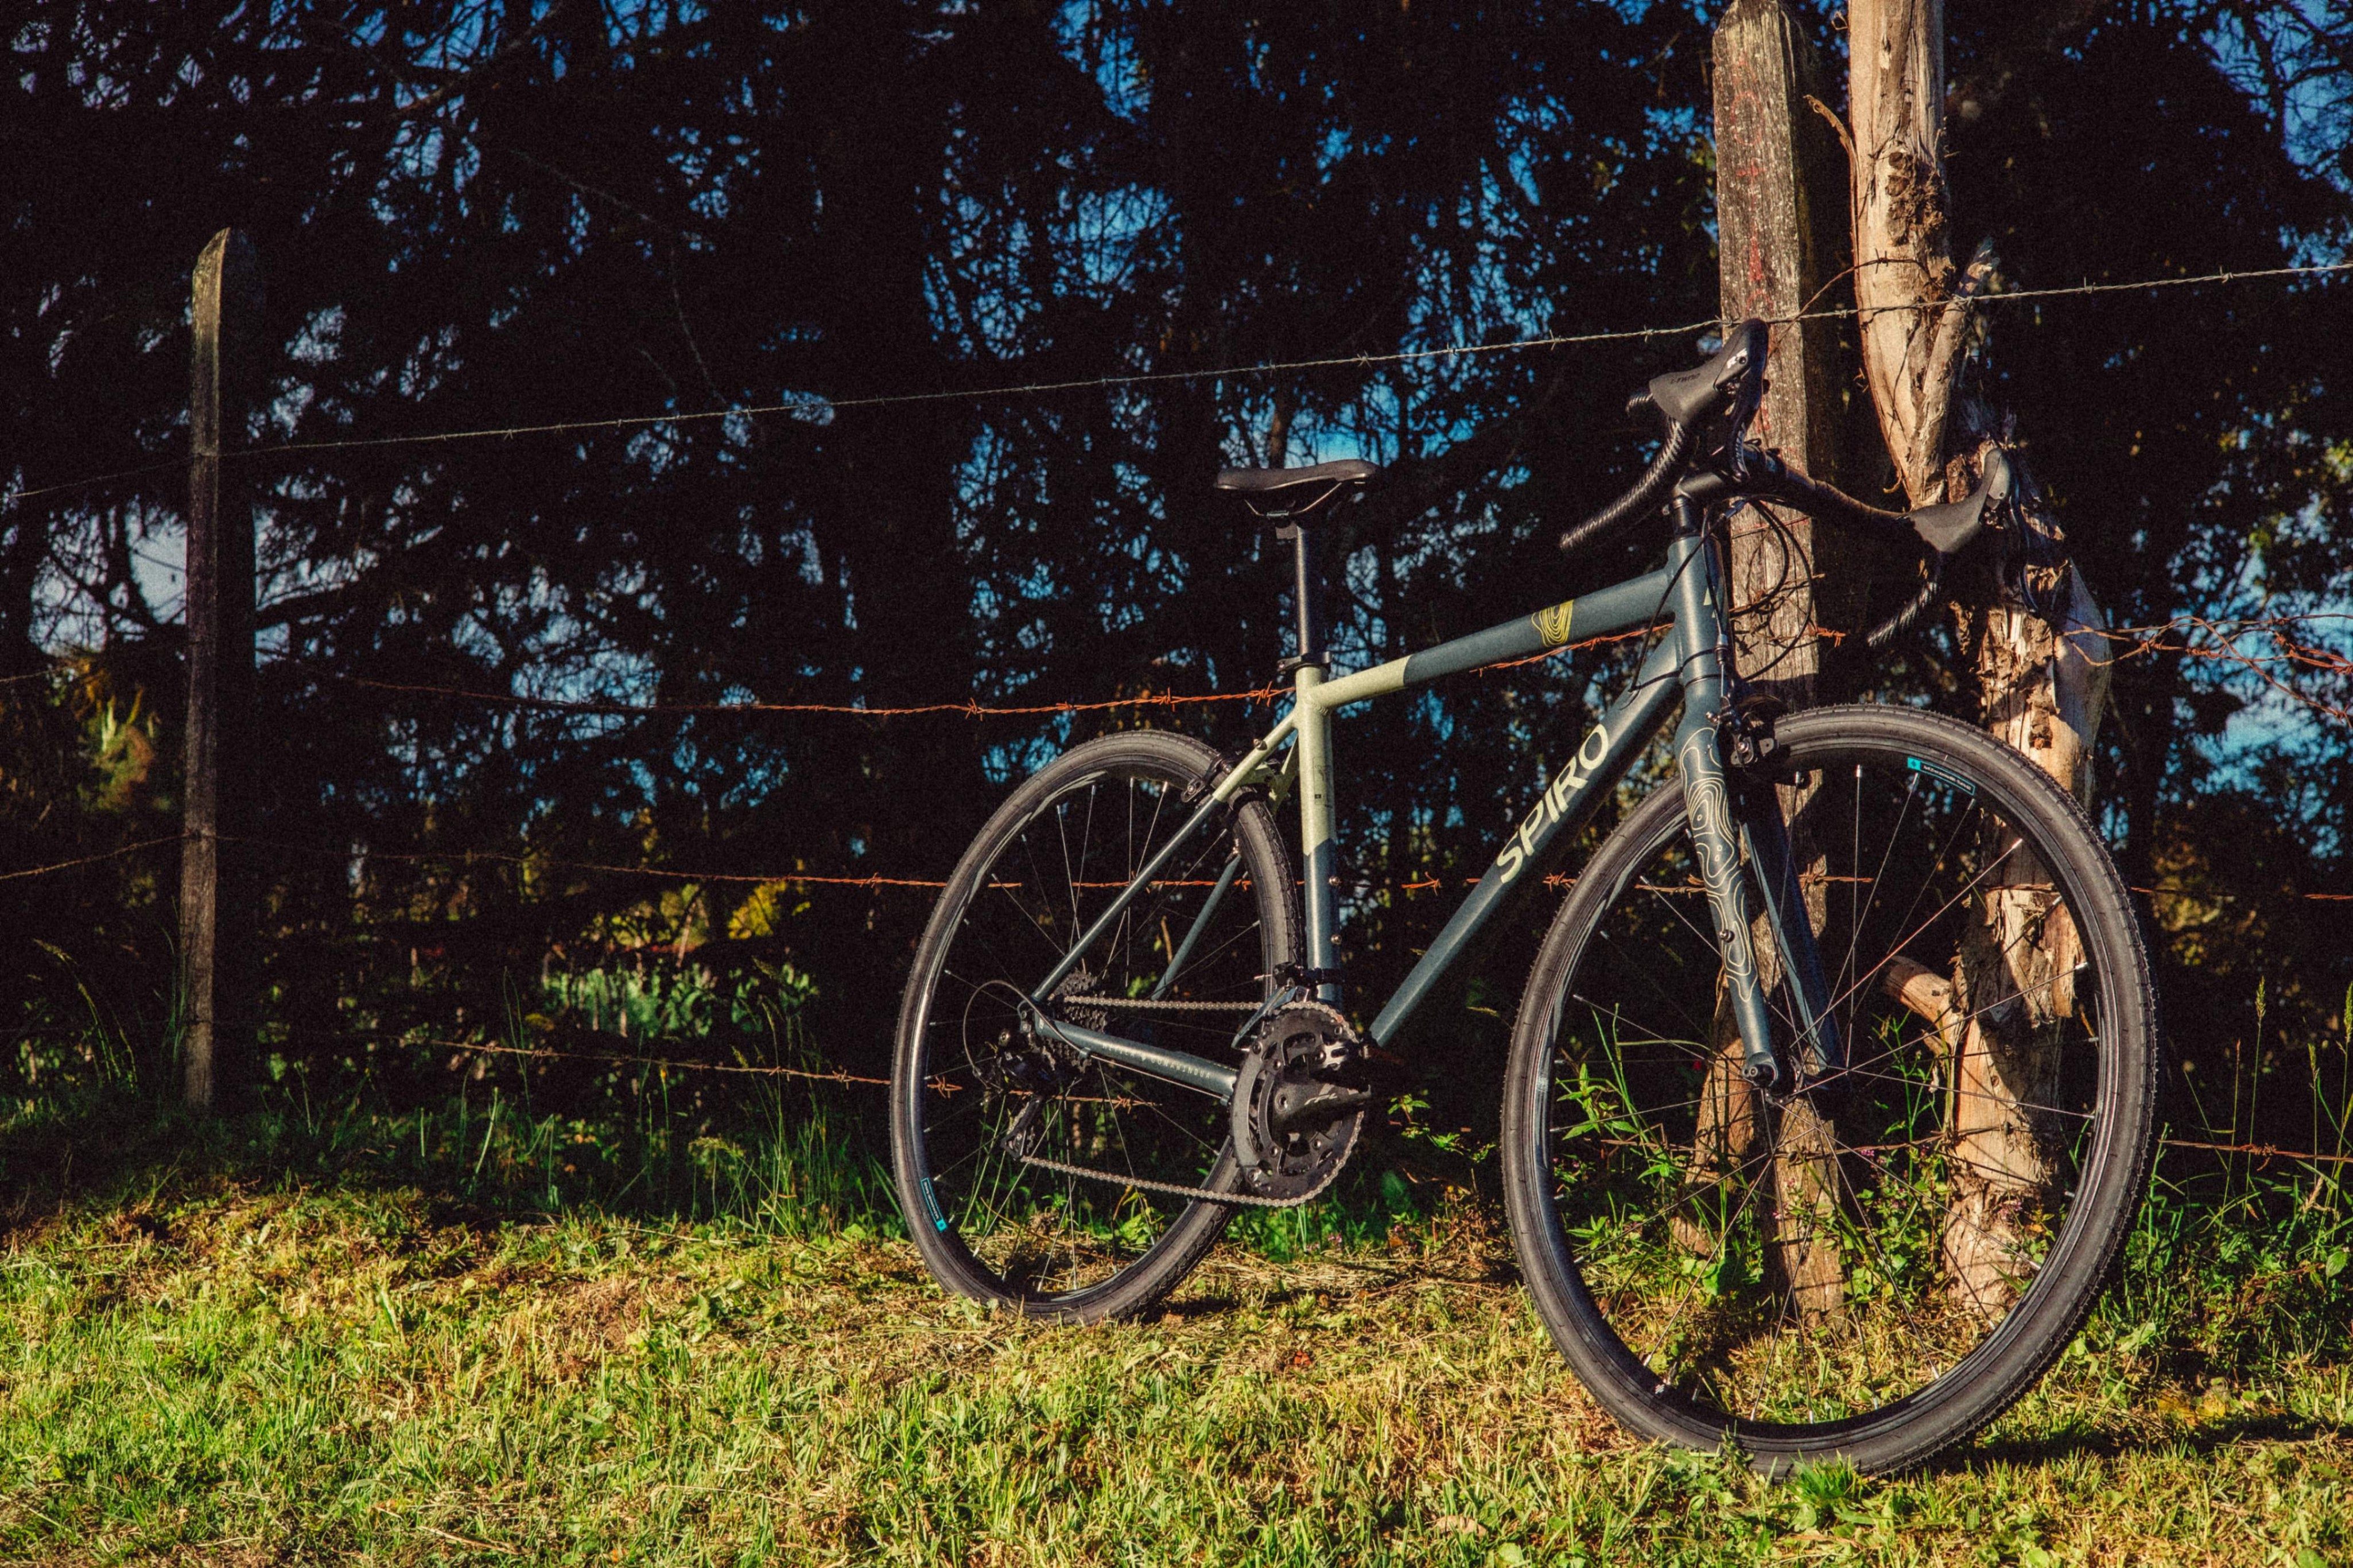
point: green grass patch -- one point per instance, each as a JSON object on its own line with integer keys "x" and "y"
{"x": 402, "y": 1339}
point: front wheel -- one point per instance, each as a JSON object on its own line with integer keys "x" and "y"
{"x": 1872, "y": 1269}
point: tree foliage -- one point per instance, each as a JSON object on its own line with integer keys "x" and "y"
{"x": 510, "y": 215}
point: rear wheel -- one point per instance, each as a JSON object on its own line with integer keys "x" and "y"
{"x": 1061, "y": 1184}
{"x": 1873, "y": 1270}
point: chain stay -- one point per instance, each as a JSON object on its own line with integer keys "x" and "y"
{"x": 1177, "y": 1189}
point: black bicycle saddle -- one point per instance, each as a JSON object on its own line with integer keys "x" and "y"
{"x": 1288, "y": 494}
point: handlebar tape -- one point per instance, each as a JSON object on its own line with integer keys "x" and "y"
{"x": 1648, "y": 491}
{"x": 1895, "y": 626}
{"x": 1731, "y": 378}
{"x": 1944, "y": 528}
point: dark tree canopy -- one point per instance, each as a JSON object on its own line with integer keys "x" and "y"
{"x": 498, "y": 215}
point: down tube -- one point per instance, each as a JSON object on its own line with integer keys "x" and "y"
{"x": 1608, "y": 750}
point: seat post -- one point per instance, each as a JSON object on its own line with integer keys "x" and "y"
{"x": 1306, "y": 589}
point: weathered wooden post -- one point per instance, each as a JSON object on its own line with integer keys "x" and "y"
{"x": 1780, "y": 205}
{"x": 1781, "y": 219}
{"x": 215, "y": 879}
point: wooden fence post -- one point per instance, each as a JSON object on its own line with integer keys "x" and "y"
{"x": 216, "y": 913}
{"x": 1781, "y": 220}
{"x": 1780, "y": 207}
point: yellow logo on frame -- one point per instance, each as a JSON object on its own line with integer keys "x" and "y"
{"x": 1552, "y": 625}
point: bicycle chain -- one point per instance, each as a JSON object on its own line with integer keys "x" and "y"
{"x": 1177, "y": 1189}
{"x": 1083, "y": 1000}
{"x": 1241, "y": 1200}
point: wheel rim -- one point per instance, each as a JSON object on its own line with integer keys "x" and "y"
{"x": 986, "y": 1091}
{"x": 1792, "y": 1274}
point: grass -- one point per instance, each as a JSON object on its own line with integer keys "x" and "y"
{"x": 404, "y": 1339}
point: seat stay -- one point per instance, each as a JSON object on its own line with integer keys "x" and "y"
{"x": 1200, "y": 923}
{"x": 1216, "y": 800}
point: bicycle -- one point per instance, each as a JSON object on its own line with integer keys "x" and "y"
{"x": 1760, "y": 1192}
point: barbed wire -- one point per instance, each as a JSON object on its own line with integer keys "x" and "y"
{"x": 970, "y": 708}
{"x": 2136, "y": 641}
{"x": 2133, "y": 642}
{"x": 2141, "y": 640}
{"x": 469, "y": 858}
{"x": 842, "y": 1075}
{"x": 2260, "y": 1151}
{"x": 114, "y": 853}
{"x": 617, "y": 1058}
{"x": 530, "y": 861}
{"x": 813, "y": 404}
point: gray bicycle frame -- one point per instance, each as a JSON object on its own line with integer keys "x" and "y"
{"x": 1688, "y": 663}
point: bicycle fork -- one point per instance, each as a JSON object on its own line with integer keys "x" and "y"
{"x": 1727, "y": 819}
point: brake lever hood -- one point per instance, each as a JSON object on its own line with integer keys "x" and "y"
{"x": 1689, "y": 396}
{"x": 1948, "y": 527}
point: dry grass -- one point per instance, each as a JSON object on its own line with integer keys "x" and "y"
{"x": 229, "y": 1374}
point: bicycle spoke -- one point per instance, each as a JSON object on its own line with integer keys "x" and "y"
{"x": 1792, "y": 1262}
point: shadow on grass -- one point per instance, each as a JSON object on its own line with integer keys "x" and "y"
{"x": 2108, "y": 1442}
{"x": 786, "y": 1161}
{"x": 789, "y": 1163}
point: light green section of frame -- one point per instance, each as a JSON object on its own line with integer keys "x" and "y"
{"x": 1246, "y": 769}
{"x": 1378, "y": 682}
{"x": 1316, "y": 815}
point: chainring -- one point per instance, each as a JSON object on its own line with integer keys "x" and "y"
{"x": 1288, "y": 1152}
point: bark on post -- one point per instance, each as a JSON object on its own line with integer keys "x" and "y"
{"x": 1779, "y": 241}
{"x": 2030, "y": 633}
{"x": 1910, "y": 325}
{"x": 215, "y": 884}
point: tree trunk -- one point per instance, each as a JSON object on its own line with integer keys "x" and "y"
{"x": 2015, "y": 979}
{"x": 2031, "y": 631}
{"x": 1911, "y": 324}
{"x": 1778, "y": 243}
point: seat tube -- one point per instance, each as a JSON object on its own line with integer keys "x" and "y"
{"x": 1707, "y": 798}
{"x": 1317, "y": 820}
{"x": 1317, "y": 816}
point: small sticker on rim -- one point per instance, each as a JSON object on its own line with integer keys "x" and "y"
{"x": 1942, "y": 774}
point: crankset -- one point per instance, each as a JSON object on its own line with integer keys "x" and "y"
{"x": 1299, "y": 1102}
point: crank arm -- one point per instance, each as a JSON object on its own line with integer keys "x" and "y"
{"x": 1321, "y": 1109}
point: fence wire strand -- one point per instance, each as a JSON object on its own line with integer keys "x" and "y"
{"x": 678, "y": 1064}
{"x": 813, "y": 406}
